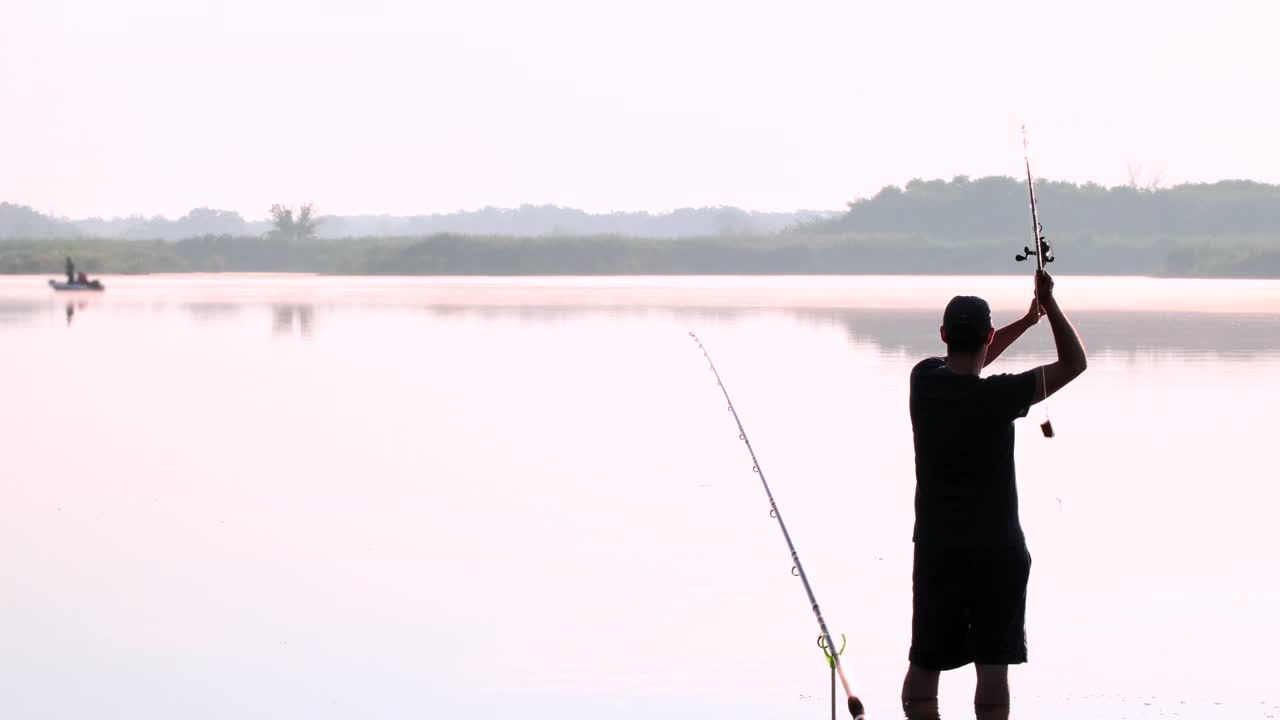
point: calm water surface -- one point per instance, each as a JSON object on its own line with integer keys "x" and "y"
{"x": 286, "y": 496}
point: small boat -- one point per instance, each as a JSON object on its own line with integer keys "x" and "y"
{"x": 90, "y": 285}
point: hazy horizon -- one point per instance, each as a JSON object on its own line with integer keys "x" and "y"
{"x": 152, "y": 108}
{"x": 263, "y": 215}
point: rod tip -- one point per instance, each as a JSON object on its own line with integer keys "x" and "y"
{"x": 855, "y": 708}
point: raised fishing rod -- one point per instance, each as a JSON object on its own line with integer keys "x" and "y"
{"x": 855, "y": 705}
{"x": 1043, "y": 255}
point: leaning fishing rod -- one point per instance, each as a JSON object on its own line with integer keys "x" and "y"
{"x": 855, "y": 705}
{"x": 1043, "y": 255}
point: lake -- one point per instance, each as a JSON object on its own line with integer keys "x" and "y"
{"x": 262, "y": 496}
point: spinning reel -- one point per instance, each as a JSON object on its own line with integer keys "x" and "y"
{"x": 1043, "y": 244}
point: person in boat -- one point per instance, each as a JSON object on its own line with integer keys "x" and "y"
{"x": 82, "y": 278}
{"x": 71, "y": 270}
{"x": 971, "y": 564}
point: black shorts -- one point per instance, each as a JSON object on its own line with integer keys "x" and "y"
{"x": 969, "y": 605}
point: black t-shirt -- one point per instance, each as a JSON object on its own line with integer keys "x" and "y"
{"x": 966, "y": 491}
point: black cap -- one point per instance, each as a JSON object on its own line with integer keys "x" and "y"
{"x": 967, "y": 318}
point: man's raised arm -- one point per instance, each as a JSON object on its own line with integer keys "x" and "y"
{"x": 1071, "y": 357}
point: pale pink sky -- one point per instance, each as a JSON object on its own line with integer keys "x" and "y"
{"x": 158, "y": 106}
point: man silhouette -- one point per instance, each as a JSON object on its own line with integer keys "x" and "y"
{"x": 971, "y": 563}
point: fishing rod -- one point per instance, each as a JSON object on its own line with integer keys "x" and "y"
{"x": 1043, "y": 255}
{"x": 855, "y": 705}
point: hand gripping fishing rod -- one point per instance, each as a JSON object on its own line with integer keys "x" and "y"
{"x": 1043, "y": 255}
{"x": 855, "y": 705}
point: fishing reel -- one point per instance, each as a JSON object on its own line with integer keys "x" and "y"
{"x": 1028, "y": 253}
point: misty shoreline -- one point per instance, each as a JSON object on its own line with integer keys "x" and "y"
{"x": 964, "y": 225}
{"x": 854, "y": 254}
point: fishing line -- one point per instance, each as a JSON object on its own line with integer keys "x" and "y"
{"x": 1043, "y": 255}
{"x": 855, "y": 705}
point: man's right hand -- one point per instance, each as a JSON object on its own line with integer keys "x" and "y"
{"x": 1071, "y": 357}
{"x": 1044, "y": 286}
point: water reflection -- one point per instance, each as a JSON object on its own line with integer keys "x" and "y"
{"x": 17, "y": 312}
{"x": 286, "y": 318}
{"x": 893, "y": 331}
{"x": 915, "y": 332}
{"x": 207, "y": 312}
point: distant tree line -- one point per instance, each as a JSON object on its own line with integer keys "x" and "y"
{"x": 995, "y": 206}
{"x": 18, "y": 222}
{"x": 848, "y": 253}
{"x": 1224, "y": 229}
